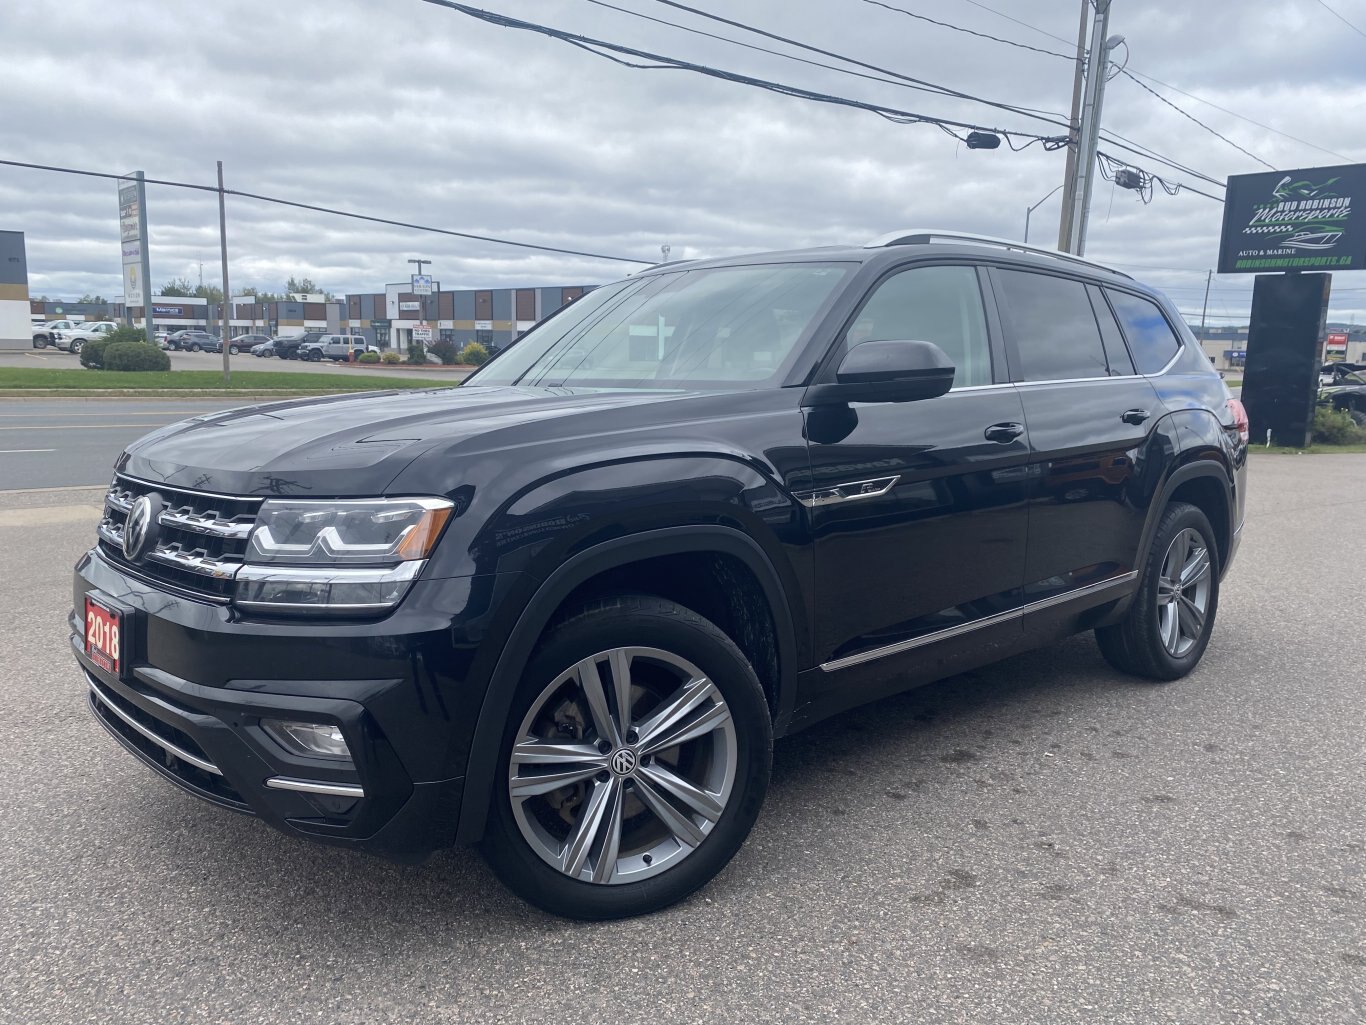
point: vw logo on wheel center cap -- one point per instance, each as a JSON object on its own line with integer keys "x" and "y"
{"x": 624, "y": 762}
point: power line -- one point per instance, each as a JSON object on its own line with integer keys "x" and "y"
{"x": 1148, "y": 89}
{"x": 895, "y": 114}
{"x": 1128, "y": 145}
{"x": 764, "y": 49}
{"x": 335, "y": 212}
{"x": 1022, "y": 24}
{"x": 1340, "y": 18}
{"x": 971, "y": 32}
{"x": 1051, "y": 115}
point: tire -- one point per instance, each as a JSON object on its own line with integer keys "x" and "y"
{"x": 1142, "y": 644}
{"x": 315, "y": 356}
{"x": 40, "y": 342}
{"x": 234, "y": 350}
{"x": 75, "y": 346}
{"x": 723, "y": 764}
{"x": 194, "y": 347}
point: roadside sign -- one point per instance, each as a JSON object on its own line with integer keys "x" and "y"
{"x": 1295, "y": 220}
{"x": 422, "y": 332}
{"x": 422, "y": 284}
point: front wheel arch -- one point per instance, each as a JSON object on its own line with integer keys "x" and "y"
{"x": 482, "y": 767}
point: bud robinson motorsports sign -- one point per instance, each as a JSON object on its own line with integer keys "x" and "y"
{"x": 1311, "y": 219}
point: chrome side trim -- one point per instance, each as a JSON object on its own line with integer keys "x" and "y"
{"x": 1080, "y": 380}
{"x": 851, "y": 491}
{"x": 976, "y": 624}
{"x": 308, "y": 786}
{"x": 216, "y": 569}
{"x": 133, "y": 724}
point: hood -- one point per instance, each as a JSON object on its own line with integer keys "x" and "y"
{"x": 344, "y": 445}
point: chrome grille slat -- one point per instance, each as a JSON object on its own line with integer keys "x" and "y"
{"x": 203, "y": 536}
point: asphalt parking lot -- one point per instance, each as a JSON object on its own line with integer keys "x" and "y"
{"x": 1039, "y": 841}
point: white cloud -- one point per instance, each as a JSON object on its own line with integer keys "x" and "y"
{"x": 408, "y": 111}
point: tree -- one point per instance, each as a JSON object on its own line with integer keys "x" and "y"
{"x": 97, "y": 299}
{"x": 307, "y": 286}
{"x": 177, "y": 287}
{"x": 210, "y": 292}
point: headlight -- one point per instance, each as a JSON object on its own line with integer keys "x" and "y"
{"x": 355, "y": 556}
{"x": 370, "y": 532}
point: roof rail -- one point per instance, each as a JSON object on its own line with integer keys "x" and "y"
{"x": 925, "y": 236}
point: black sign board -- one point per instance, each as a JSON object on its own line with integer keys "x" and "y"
{"x": 1310, "y": 219}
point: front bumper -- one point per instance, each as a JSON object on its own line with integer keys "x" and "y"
{"x": 199, "y": 679}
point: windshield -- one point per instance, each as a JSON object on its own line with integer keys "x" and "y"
{"x": 1352, "y": 378}
{"x": 720, "y": 327}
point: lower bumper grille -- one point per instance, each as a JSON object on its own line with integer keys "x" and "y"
{"x": 171, "y": 750}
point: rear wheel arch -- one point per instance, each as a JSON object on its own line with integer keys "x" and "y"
{"x": 578, "y": 580}
{"x": 1205, "y": 484}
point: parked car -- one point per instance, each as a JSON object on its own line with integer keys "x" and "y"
{"x": 46, "y": 334}
{"x": 265, "y": 350}
{"x": 565, "y": 608}
{"x": 192, "y": 341}
{"x": 1347, "y": 393}
{"x": 335, "y": 347}
{"x": 1329, "y": 373}
{"x": 72, "y": 339}
{"x": 240, "y": 343}
{"x": 287, "y": 347}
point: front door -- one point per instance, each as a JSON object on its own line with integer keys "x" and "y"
{"x": 918, "y": 508}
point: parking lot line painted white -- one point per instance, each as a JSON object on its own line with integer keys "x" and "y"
{"x": 59, "y": 487}
{"x": 47, "y": 514}
{"x": 31, "y": 355}
{"x": 159, "y": 412}
{"x": 18, "y": 451}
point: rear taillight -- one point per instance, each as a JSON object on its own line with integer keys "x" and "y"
{"x": 1239, "y": 418}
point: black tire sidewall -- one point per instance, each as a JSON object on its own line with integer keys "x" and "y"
{"x": 1176, "y": 519}
{"x": 646, "y": 622}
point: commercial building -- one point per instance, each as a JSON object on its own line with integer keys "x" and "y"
{"x": 15, "y": 325}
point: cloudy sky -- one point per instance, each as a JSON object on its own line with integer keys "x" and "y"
{"x": 405, "y": 110}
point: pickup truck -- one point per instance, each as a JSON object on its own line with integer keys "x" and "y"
{"x": 72, "y": 339}
{"x": 46, "y": 334}
{"x": 337, "y": 348}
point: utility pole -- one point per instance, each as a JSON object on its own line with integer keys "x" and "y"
{"x": 1074, "y": 132}
{"x": 1209, "y": 276}
{"x": 224, "y": 316}
{"x": 1097, "y": 68}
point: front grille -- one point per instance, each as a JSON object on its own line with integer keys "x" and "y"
{"x": 201, "y": 538}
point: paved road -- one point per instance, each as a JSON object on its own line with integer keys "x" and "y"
{"x": 1041, "y": 841}
{"x": 53, "y": 359}
{"x": 64, "y": 442}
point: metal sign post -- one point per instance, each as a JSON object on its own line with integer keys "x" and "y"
{"x": 225, "y": 309}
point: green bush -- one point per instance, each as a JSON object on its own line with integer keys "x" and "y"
{"x": 417, "y": 353}
{"x": 92, "y": 353}
{"x": 135, "y": 356}
{"x": 126, "y": 334}
{"x": 445, "y": 351}
{"x": 368, "y": 357}
{"x": 390, "y": 357}
{"x": 1336, "y": 427}
{"x": 474, "y": 354}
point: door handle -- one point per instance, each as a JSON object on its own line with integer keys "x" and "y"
{"x": 1003, "y": 433}
{"x": 1134, "y": 416}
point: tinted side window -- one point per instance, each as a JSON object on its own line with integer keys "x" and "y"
{"x": 931, "y": 304}
{"x": 1115, "y": 352}
{"x": 1054, "y": 327}
{"x": 1151, "y": 338}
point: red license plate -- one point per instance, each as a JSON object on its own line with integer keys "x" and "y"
{"x": 104, "y": 636}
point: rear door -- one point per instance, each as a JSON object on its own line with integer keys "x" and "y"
{"x": 918, "y": 508}
{"x": 1091, "y": 419}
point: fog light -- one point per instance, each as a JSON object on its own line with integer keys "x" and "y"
{"x": 321, "y": 740}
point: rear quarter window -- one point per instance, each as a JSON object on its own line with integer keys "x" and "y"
{"x": 1152, "y": 341}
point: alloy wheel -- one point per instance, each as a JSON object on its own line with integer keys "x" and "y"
{"x": 1183, "y": 592}
{"x": 622, "y": 766}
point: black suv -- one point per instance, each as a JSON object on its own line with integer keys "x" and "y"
{"x": 566, "y": 608}
{"x": 288, "y": 347}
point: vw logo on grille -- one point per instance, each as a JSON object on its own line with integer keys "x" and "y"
{"x": 624, "y": 762}
{"x": 140, "y": 531}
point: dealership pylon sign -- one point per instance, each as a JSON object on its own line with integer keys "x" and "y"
{"x": 1308, "y": 219}
{"x": 133, "y": 243}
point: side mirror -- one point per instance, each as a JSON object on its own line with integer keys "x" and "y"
{"x": 895, "y": 371}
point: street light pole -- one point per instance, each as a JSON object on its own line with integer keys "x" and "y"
{"x": 1030, "y": 209}
{"x": 224, "y": 310}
